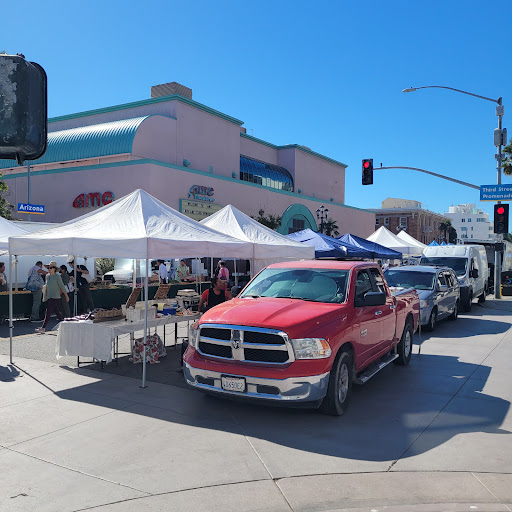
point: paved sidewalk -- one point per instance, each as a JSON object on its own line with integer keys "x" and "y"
{"x": 436, "y": 432}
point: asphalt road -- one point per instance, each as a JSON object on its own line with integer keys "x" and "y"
{"x": 431, "y": 436}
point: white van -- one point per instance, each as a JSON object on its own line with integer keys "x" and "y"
{"x": 469, "y": 263}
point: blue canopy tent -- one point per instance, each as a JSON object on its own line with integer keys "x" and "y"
{"x": 328, "y": 247}
{"x": 433, "y": 244}
{"x": 376, "y": 250}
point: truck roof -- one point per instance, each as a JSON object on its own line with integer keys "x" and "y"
{"x": 327, "y": 264}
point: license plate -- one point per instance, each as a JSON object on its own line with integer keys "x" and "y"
{"x": 233, "y": 384}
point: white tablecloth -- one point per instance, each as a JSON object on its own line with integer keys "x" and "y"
{"x": 87, "y": 339}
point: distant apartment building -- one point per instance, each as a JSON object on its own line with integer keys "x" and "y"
{"x": 471, "y": 223}
{"x": 408, "y": 215}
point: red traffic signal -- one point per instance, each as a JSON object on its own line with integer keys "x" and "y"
{"x": 367, "y": 177}
{"x": 501, "y": 218}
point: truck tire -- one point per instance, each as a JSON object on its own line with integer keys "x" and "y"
{"x": 468, "y": 303}
{"x": 404, "y": 348}
{"x": 482, "y": 297}
{"x": 432, "y": 321}
{"x": 337, "y": 398}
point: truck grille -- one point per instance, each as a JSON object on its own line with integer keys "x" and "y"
{"x": 245, "y": 344}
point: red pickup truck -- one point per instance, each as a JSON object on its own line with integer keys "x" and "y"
{"x": 302, "y": 333}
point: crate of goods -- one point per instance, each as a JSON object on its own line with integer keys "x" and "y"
{"x": 136, "y": 314}
{"x": 104, "y": 315}
{"x": 188, "y": 299}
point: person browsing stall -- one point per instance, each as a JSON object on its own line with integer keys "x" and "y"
{"x": 54, "y": 288}
{"x": 82, "y": 284}
{"x": 214, "y": 295}
{"x": 64, "y": 304}
{"x": 182, "y": 271}
{"x": 35, "y": 285}
{"x": 3, "y": 279}
{"x": 223, "y": 274}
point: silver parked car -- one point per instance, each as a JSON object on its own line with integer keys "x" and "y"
{"x": 438, "y": 289}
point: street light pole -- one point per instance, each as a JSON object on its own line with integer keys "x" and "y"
{"x": 500, "y": 110}
{"x": 321, "y": 215}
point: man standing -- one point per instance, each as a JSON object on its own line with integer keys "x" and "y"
{"x": 3, "y": 280}
{"x": 82, "y": 284}
{"x": 35, "y": 285}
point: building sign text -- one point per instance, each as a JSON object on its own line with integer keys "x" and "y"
{"x": 93, "y": 199}
{"x": 200, "y": 193}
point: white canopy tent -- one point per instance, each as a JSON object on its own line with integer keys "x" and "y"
{"x": 7, "y": 229}
{"x": 384, "y": 237}
{"x": 137, "y": 226}
{"x": 269, "y": 246}
{"x": 403, "y": 235}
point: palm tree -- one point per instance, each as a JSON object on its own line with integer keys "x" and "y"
{"x": 330, "y": 227}
{"x": 444, "y": 227}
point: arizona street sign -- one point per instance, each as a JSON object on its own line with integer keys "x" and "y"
{"x": 31, "y": 208}
{"x": 496, "y": 192}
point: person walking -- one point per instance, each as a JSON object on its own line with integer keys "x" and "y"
{"x": 64, "y": 304}
{"x": 35, "y": 285}
{"x": 3, "y": 279}
{"x": 82, "y": 284}
{"x": 54, "y": 289}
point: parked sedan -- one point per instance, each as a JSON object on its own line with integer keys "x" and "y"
{"x": 437, "y": 287}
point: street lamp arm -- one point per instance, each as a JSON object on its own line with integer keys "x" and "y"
{"x": 412, "y": 89}
{"x": 466, "y": 184}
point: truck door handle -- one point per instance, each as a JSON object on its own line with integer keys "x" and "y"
{"x": 378, "y": 312}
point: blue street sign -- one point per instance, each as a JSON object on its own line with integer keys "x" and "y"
{"x": 496, "y": 192}
{"x": 31, "y": 208}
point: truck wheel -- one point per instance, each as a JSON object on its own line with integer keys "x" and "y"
{"x": 336, "y": 400}
{"x": 481, "y": 299}
{"x": 404, "y": 348}
{"x": 432, "y": 321}
{"x": 455, "y": 313}
{"x": 468, "y": 303}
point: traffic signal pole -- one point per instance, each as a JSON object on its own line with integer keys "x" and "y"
{"x": 497, "y": 255}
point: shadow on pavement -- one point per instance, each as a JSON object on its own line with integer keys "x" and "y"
{"x": 8, "y": 373}
{"x": 385, "y": 418}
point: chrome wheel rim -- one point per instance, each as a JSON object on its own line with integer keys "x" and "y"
{"x": 343, "y": 383}
{"x": 407, "y": 343}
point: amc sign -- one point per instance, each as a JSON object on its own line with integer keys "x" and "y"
{"x": 93, "y": 199}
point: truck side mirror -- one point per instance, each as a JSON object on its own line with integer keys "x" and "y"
{"x": 474, "y": 273}
{"x": 235, "y": 290}
{"x": 374, "y": 299}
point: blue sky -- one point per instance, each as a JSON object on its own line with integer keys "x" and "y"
{"x": 328, "y": 75}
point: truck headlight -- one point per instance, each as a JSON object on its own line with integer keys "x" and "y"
{"x": 311, "y": 348}
{"x": 193, "y": 336}
{"x": 423, "y": 304}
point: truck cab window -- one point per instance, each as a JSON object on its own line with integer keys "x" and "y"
{"x": 378, "y": 280}
{"x": 363, "y": 286}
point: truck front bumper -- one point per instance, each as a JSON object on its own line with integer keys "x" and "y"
{"x": 293, "y": 390}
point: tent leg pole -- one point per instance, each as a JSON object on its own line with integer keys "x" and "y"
{"x": 145, "y": 325}
{"x": 15, "y": 273}
{"x": 75, "y": 305}
{"x": 10, "y": 311}
{"x": 235, "y": 272}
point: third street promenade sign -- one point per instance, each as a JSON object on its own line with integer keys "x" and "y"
{"x": 496, "y": 192}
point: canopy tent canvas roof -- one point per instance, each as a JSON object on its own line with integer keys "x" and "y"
{"x": 325, "y": 246}
{"x": 269, "y": 246}
{"x": 433, "y": 244}
{"x": 403, "y": 235}
{"x": 377, "y": 251}
{"x": 136, "y": 226}
{"x": 7, "y": 229}
{"x": 384, "y": 237}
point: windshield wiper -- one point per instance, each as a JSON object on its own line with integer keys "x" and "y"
{"x": 253, "y": 296}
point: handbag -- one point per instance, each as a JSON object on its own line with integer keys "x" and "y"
{"x": 45, "y": 289}
{"x": 35, "y": 282}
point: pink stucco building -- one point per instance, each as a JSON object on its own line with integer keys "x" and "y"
{"x": 186, "y": 154}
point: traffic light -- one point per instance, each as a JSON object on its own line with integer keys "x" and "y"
{"x": 23, "y": 109}
{"x": 501, "y": 218}
{"x": 367, "y": 171}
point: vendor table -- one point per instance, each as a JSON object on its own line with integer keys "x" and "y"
{"x": 97, "y": 340}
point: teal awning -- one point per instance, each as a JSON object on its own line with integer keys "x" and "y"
{"x": 112, "y": 138}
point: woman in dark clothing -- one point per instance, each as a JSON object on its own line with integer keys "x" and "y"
{"x": 214, "y": 295}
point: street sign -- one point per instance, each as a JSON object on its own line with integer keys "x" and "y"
{"x": 31, "y": 208}
{"x": 496, "y": 192}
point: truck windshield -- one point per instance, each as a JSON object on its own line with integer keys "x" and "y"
{"x": 317, "y": 285}
{"x": 457, "y": 264}
{"x": 408, "y": 279}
